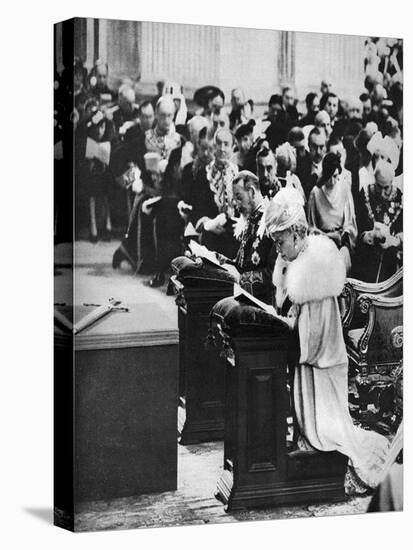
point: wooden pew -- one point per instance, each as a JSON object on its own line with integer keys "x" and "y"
{"x": 197, "y": 287}
{"x": 259, "y": 469}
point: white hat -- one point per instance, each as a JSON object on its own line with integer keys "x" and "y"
{"x": 284, "y": 210}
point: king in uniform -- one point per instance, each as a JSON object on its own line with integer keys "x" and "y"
{"x": 256, "y": 255}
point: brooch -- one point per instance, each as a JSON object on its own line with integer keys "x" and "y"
{"x": 255, "y": 258}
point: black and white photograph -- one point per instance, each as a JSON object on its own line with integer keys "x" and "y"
{"x": 228, "y": 274}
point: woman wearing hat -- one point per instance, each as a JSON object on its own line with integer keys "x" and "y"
{"x": 309, "y": 275}
{"x": 380, "y": 220}
{"x": 286, "y": 159}
{"x": 244, "y": 158}
{"x": 331, "y": 208}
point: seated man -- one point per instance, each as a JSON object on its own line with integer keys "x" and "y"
{"x": 163, "y": 137}
{"x": 209, "y": 199}
{"x": 310, "y": 172}
{"x": 290, "y": 113}
{"x": 126, "y": 114}
{"x": 256, "y": 255}
{"x": 277, "y": 131}
{"x": 332, "y": 107}
{"x": 322, "y": 120}
{"x": 138, "y": 247}
{"x": 98, "y": 79}
{"x": 245, "y": 156}
{"x": 312, "y": 102}
{"x": 240, "y": 109}
{"x": 181, "y": 116}
{"x": 380, "y": 221}
{"x": 267, "y": 171}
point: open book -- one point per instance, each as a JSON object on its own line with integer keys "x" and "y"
{"x": 245, "y": 297}
{"x": 101, "y": 150}
{"x": 203, "y": 252}
{"x": 190, "y": 231}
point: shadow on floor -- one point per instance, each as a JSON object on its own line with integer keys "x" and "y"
{"x": 44, "y": 514}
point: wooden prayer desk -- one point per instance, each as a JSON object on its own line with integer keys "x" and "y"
{"x": 201, "y": 372}
{"x": 259, "y": 470}
{"x": 125, "y": 380}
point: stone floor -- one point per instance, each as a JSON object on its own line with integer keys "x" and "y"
{"x": 199, "y": 467}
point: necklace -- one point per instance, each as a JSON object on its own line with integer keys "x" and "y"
{"x": 220, "y": 182}
{"x": 395, "y": 207}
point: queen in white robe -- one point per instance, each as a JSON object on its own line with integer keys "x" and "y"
{"x": 310, "y": 274}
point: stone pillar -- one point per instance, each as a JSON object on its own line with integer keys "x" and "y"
{"x": 287, "y": 58}
{"x": 90, "y": 43}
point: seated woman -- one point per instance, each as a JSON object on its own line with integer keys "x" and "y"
{"x": 380, "y": 220}
{"x": 309, "y": 274}
{"x": 244, "y": 158}
{"x": 331, "y": 208}
{"x": 286, "y": 158}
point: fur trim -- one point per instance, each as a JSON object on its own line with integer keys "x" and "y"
{"x": 279, "y": 281}
{"x": 317, "y": 273}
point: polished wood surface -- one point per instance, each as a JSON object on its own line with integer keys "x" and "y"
{"x": 202, "y": 372}
{"x": 259, "y": 470}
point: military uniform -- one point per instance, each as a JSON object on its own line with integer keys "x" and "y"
{"x": 256, "y": 256}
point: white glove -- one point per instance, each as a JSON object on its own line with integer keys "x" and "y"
{"x": 391, "y": 241}
{"x": 233, "y": 270}
{"x": 216, "y": 225}
{"x": 125, "y": 127}
{"x": 183, "y": 208}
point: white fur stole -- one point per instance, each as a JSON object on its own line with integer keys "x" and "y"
{"x": 317, "y": 273}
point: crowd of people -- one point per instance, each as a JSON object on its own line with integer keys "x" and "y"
{"x": 209, "y": 174}
{"x": 291, "y": 203}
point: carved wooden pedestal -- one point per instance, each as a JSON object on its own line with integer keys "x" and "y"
{"x": 258, "y": 469}
{"x": 201, "y": 372}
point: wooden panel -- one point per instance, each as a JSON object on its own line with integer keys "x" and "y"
{"x": 262, "y": 451}
{"x": 125, "y": 422}
{"x": 80, "y": 38}
{"x": 257, "y": 467}
{"x": 248, "y": 58}
{"x": 339, "y": 57}
{"x": 123, "y": 48}
{"x": 182, "y": 53}
{"x": 58, "y": 45}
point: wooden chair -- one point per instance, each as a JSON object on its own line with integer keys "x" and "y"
{"x": 351, "y": 316}
{"x": 372, "y": 316}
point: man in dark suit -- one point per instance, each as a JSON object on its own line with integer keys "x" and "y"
{"x": 309, "y": 170}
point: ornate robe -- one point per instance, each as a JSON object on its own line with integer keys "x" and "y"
{"x": 312, "y": 283}
{"x": 256, "y": 256}
{"x": 209, "y": 191}
{"x": 373, "y": 263}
